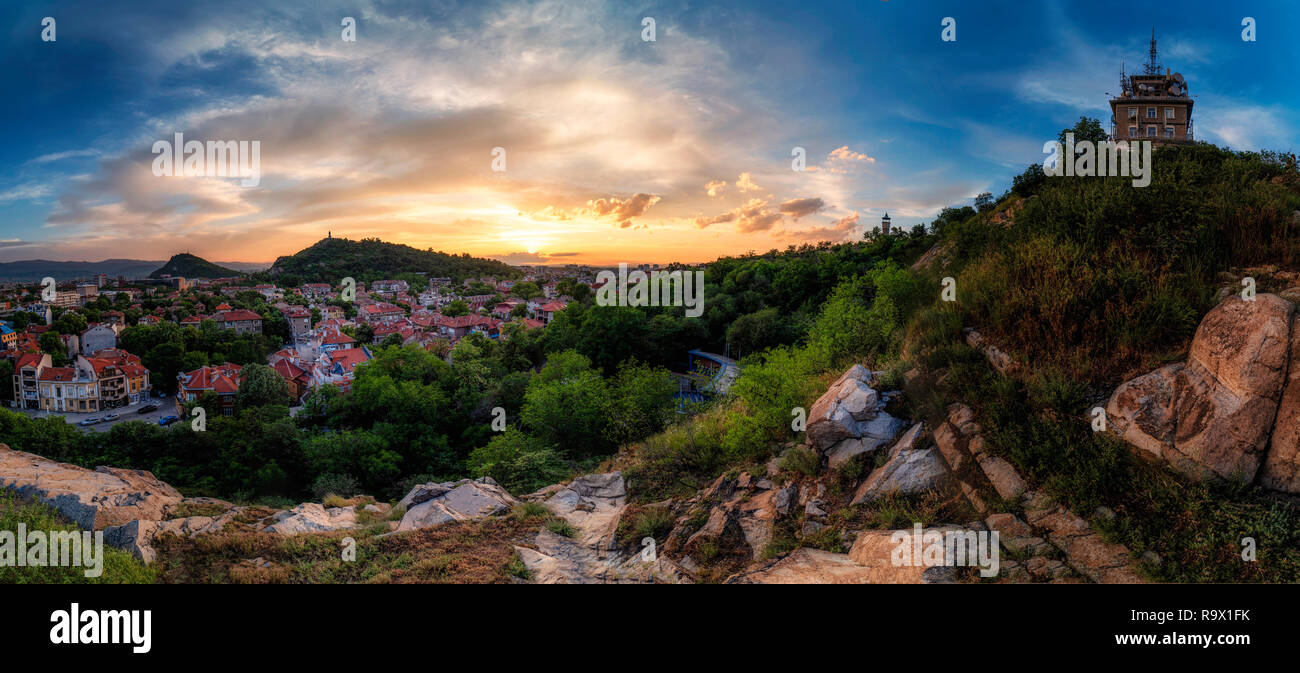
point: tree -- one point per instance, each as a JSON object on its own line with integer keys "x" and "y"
{"x": 570, "y": 414}
{"x": 983, "y": 201}
{"x": 455, "y": 308}
{"x": 260, "y": 385}
{"x": 1086, "y": 128}
{"x": 520, "y": 311}
{"x": 642, "y": 402}
{"x": 6, "y": 376}
{"x": 164, "y": 362}
{"x": 52, "y": 344}
{"x": 526, "y": 290}
{"x": 753, "y": 332}
{"x": 518, "y": 461}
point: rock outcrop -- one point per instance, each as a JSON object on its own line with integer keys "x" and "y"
{"x": 93, "y": 499}
{"x": 910, "y": 469}
{"x": 433, "y": 504}
{"x": 848, "y": 420}
{"x": 311, "y": 517}
{"x": 871, "y": 560}
{"x": 593, "y": 505}
{"x": 1215, "y": 414}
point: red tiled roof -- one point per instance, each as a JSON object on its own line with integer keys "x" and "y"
{"x": 222, "y": 379}
{"x": 337, "y": 338}
{"x": 58, "y": 374}
{"x": 235, "y": 315}
{"x": 349, "y": 358}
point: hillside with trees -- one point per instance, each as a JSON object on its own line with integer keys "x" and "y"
{"x": 331, "y": 259}
{"x": 186, "y": 265}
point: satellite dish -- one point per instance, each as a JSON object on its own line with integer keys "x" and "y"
{"x": 1178, "y": 77}
{"x": 1176, "y": 90}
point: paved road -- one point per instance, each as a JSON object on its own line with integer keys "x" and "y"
{"x": 166, "y": 406}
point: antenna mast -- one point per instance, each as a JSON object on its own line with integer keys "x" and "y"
{"x": 1153, "y": 66}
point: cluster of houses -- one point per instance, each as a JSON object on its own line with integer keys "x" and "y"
{"x": 100, "y": 376}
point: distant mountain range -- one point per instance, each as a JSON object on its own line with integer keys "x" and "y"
{"x": 35, "y": 269}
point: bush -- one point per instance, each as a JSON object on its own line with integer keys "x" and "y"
{"x": 516, "y": 460}
{"x": 328, "y": 484}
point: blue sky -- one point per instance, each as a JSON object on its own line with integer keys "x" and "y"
{"x": 619, "y": 149}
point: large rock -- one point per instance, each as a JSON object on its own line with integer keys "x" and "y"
{"x": 593, "y": 505}
{"x": 840, "y": 412}
{"x": 1214, "y": 415}
{"x": 435, "y": 504}
{"x": 875, "y": 433}
{"x": 311, "y": 517}
{"x": 909, "y": 470}
{"x": 1281, "y": 471}
{"x": 93, "y": 499}
{"x": 871, "y": 560}
{"x": 139, "y": 537}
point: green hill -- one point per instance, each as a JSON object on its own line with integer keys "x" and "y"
{"x": 190, "y": 266}
{"x": 331, "y": 259}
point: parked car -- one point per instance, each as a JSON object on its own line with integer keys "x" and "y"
{"x": 111, "y": 417}
{"x": 91, "y": 421}
{"x": 168, "y": 420}
{"x": 147, "y": 408}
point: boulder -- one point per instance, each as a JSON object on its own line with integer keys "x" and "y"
{"x": 93, "y": 499}
{"x": 311, "y": 517}
{"x": 593, "y": 505}
{"x": 908, "y": 470}
{"x": 1281, "y": 470}
{"x": 138, "y": 537}
{"x": 876, "y": 433}
{"x": 1215, "y": 414}
{"x": 840, "y": 411}
{"x": 436, "y": 504}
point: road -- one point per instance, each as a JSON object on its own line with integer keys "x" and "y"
{"x": 166, "y": 406}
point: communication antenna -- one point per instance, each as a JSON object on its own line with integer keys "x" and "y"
{"x": 1153, "y": 66}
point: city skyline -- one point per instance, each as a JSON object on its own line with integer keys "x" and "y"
{"x": 617, "y": 149}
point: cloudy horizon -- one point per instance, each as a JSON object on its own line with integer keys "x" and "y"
{"x": 617, "y": 148}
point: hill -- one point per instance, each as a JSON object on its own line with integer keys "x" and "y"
{"x": 191, "y": 266}
{"x": 36, "y": 269}
{"x": 331, "y": 259}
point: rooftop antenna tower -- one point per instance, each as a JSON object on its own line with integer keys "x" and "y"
{"x": 1153, "y": 66}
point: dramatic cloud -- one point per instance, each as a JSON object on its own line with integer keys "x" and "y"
{"x": 745, "y": 184}
{"x": 714, "y": 187}
{"x": 623, "y": 210}
{"x": 797, "y": 208}
{"x": 844, "y": 228}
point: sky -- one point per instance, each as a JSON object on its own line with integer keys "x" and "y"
{"x": 616, "y": 148}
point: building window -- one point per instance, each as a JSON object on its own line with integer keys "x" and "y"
{"x": 1151, "y": 113}
{"x": 1169, "y": 131}
{"x": 1169, "y": 113}
{"x": 1132, "y": 113}
{"x": 1151, "y": 131}
{"x": 1132, "y": 131}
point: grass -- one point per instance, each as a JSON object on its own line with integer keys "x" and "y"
{"x": 119, "y": 567}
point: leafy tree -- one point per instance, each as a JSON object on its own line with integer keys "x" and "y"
{"x": 1087, "y": 128}
{"x": 455, "y": 308}
{"x": 570, "y": 413}
{"x": 641, "y": 402}
{"x": 526, "y": 290}
{"x": 518, "y": 461}
{"x": 260, "y": 386}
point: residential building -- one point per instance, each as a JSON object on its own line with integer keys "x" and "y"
{"x": 97, "y": 337}
{"x": 27, "y": 372}
{"x": 221, "y": 380}
{"x": 241, "y": 320}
